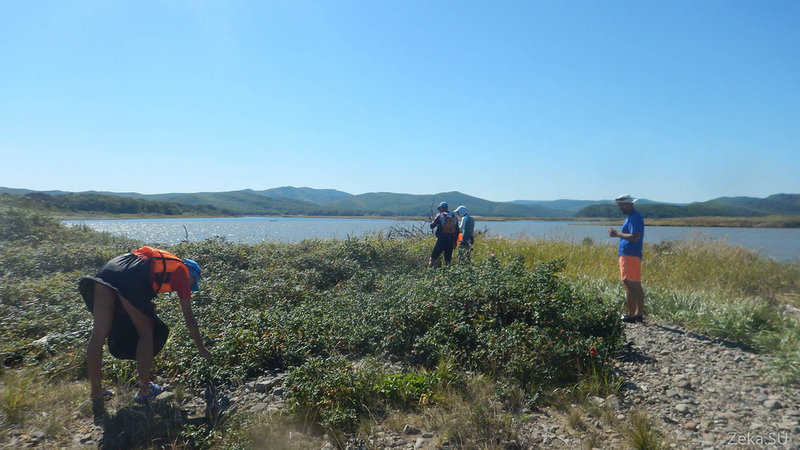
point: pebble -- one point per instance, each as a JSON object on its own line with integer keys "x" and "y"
{"x": 409, "y": 429}
{"x": 772, "y": 404}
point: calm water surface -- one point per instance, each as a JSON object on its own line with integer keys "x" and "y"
{"x": 777, "y": 243}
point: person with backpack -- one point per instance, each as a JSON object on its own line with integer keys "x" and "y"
{"x": 467, "y": 230}
{"x": 446, "y": 226}
{"x": 120, "y": 297}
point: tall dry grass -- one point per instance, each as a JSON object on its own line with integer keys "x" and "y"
{"x": 697, "y": 265}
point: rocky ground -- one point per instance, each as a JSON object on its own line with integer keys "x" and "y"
{"x": 697, "y": 392}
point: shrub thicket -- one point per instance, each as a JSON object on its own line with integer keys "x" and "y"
{"x": 313, "y": 309}
{"x": 324, "y": 303}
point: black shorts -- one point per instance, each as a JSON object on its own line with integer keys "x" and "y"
{"x": 444, "y": 244}
{"x": 128, "y": 276}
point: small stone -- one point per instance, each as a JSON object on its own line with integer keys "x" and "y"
{"x": 82, "y": 438}
{"x": 258, "y": 407}
{"x": 730, "y": 415}
{"x": 408, "y": 430}
{"x": 265, "y": 384}
{"x": 772, "y": 404}
{"x": 427, "y": 435}
{"x": 672, "y": 393}
{"x": 669, "y": 419}
{"x": 682, "y": 408}
{"x": 691, "y": 426}
{"x": 613, "y": 402}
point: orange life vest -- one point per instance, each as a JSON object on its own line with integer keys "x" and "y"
{"x": 162, "y": 265}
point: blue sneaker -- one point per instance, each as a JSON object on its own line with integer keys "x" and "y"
{"x": 154, "y": 391}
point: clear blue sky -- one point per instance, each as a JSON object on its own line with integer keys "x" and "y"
{"x": 539, "y": 100}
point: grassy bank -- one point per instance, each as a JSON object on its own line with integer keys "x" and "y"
{"x": 367, "y": 333}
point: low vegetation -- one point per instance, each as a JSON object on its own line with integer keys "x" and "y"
{"x": 367, "y": 334}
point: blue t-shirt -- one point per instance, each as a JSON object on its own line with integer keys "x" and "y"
{"x": 634, "y": 223}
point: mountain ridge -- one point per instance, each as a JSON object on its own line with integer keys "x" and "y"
{"x": 289, "y": 200}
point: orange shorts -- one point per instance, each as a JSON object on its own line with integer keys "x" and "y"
{"x": 630, "y": 268}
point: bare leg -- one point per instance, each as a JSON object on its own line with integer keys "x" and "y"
{"x": 634, "y": 296}
{"x": 103, "y": 312}
{"x": 638, "y": 299}
{"x": 144, "y": 347}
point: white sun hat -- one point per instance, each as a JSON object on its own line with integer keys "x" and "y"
{"x": 626, "y": 198}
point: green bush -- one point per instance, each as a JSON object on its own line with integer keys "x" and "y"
{"x": 330, "y": 392}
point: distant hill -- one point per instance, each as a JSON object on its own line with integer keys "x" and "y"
{"x": 246, "y": 202}
{"x": 778, "y": 204}
{"x": 570, "y": 207}
{"x": 390, "y": 204}
{"x": 102, "y": 203}
{"x": 289, "y": 200}
{"x": 305, "y": 194}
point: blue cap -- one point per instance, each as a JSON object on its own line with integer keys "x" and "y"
{"x": 443, "y": 205}
{"x": 194, "y": 271}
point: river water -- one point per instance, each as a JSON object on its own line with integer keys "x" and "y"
{"x": 777, "y": 243}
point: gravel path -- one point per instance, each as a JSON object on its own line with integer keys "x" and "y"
{"x": 707, "y": 393}
{"x": 698, "y": 392}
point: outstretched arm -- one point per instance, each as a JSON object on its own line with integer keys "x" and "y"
{"x": 194, "y": 331}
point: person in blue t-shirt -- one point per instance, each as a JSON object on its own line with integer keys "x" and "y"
{"x": 631, "y": 236}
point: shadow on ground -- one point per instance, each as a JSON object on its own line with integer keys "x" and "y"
{"x": 158, "y": 424}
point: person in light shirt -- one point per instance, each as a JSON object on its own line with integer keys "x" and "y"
{"x": 467, "y": 229}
